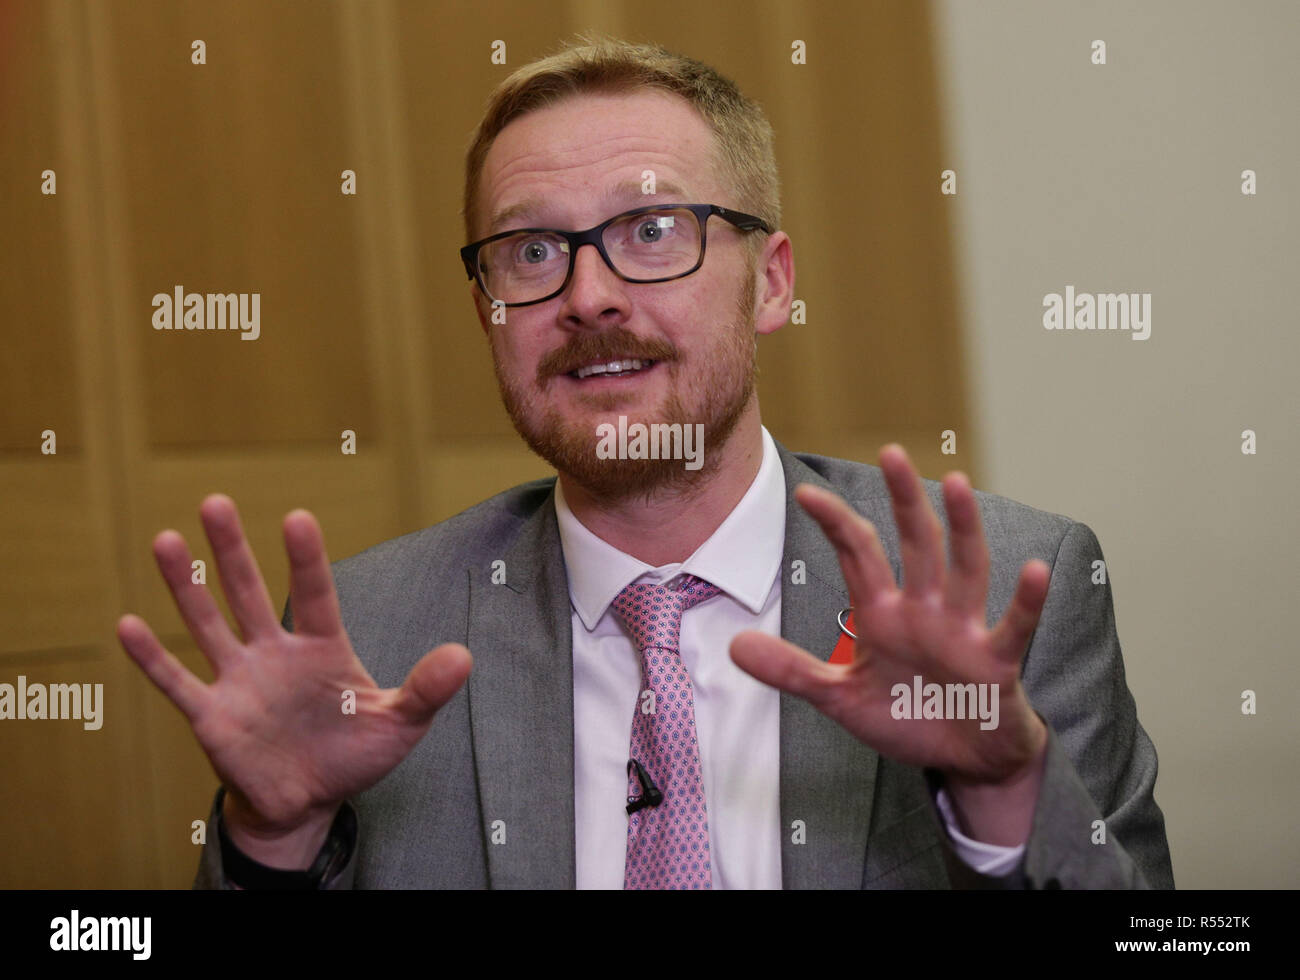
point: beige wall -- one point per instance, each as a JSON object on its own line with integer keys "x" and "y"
{"x": 1127, "y": 177}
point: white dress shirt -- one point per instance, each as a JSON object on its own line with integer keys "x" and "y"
{"x": 737, "y": 718}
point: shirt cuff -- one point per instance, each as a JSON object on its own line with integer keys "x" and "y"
{"x": 988, "y": 859}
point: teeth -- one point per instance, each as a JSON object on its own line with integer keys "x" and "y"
{"x": 613, "y": 367}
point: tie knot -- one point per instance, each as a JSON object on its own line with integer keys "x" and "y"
{"x": 652, "y": 614}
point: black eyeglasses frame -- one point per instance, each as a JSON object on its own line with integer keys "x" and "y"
{"x": 594, "y": 236}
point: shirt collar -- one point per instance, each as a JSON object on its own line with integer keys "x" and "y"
{"x": 742, "y": 557}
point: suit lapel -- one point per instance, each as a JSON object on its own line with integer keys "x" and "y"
{"x": 521, "y": 708}
{"x": 827, "y": 775}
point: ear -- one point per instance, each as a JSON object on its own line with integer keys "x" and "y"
{"x": 775, "y": 286}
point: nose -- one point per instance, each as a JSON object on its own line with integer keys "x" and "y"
{"x": 595, "y": 295}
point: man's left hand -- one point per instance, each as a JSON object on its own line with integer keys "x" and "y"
{"x": 933, "y": 627}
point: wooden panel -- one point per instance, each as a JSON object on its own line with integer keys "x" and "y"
{"x": 225, "y": 177}
{"x": 463, "y": 476}
{"x": 72, "y": 800}
{"x": 38, "y": 384}
{"x": 56, "y": 576}
{"x": 922, "y": 445}
{"x": 233, "y": 171}
{"x": 351, "y": 496}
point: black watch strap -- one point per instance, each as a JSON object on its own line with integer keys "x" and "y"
{"x": 243, "y": 871}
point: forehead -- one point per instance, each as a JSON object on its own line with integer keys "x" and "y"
{"x": 571, "y": 161}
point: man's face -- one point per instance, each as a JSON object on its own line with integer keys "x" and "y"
{"x": 574, "y": 165}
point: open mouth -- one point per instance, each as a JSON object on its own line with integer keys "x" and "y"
{"x": 613, "y": 369}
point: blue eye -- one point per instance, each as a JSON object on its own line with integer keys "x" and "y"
{"x": 654, "y": 228}
{"x": 650, "y": 231}
{"x": 534, "y": 251}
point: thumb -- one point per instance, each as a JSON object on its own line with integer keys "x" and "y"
{"x": 432, "y": 682}
{"x": 781, "y": 664}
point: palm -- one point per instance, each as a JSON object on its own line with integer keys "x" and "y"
{"x": 273, "y": 723}
{"x": 932, "y": 627}
{"x": 275, "y": 727}
{"x": 901, "y": 638}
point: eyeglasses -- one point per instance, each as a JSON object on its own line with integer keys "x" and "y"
{"x": 658, "y": 243}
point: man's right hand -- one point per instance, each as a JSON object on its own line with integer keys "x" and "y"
{"x": 272, "y": 722}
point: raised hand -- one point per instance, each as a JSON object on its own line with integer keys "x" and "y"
{"x": 272, "y": 722}
{"x": 932, "y": 627}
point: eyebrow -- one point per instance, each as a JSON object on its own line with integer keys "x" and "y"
{"x": 624, "y": 189}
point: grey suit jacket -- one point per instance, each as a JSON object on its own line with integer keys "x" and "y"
{"x": 486, "y": 799}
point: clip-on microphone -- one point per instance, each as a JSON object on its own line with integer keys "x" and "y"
{"x": 650, "y": 794}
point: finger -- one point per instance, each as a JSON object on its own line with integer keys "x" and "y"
{"x": 920, "y": 534}
{"x": 432, "y": 682}
{"x": 199, "y": 611}
{"x": 780, "y": 664}
{"x": 250, "y": 603}
{"x": 862, "y": 558}
{"x": 312, "y": 598}
{"x": 1011, "y": 636}
{"x": 967, "y": 583}
{"x": 168, "y": 674}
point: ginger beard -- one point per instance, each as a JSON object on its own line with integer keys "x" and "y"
{"x": 712, "y": 386}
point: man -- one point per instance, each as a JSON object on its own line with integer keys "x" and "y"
{"x": 617, "y": 589}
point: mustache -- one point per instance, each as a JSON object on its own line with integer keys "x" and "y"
{"x": 613, "y": 344}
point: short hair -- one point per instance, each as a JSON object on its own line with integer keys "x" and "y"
{"x": 743, "y": 153}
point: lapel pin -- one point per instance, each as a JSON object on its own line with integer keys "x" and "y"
{"x": 842, "y": 619}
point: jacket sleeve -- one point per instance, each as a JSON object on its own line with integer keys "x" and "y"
{"x": 1096, "y": 824}
{"x": 212, "y": 876}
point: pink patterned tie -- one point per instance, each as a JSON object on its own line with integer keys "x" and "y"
{"x": 668, "y": 844}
